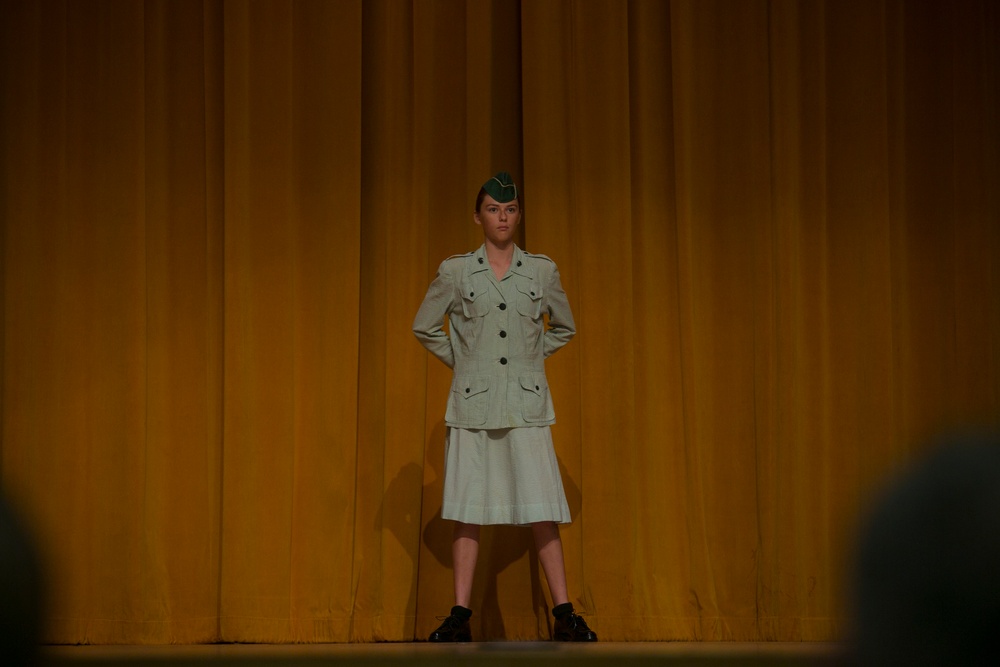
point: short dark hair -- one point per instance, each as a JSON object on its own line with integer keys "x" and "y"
{"x": 21, "y": 589}
{"x": 926, "y": 587}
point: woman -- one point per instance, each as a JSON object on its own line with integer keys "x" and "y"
{"x": 500, "y": 466}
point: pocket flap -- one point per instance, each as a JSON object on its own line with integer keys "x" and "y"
{"x": 468, "y": 386}
{"x": 533, "y": 383}
{"x": 473, "y": 290}
{"x": 530, "y": 289}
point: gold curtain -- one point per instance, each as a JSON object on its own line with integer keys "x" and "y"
{"x": 777, "y": 222}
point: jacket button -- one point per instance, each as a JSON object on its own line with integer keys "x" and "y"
{"x": 532, "y": 294}
{"x": 467, "y": 390}
{"x": 472, "y": 294}
{"x": 480, "y": 260}
{"x": 503, "y": 360}
{"x": 503, "y": 306}
{"x": 503, "y": 334}
{"x": 519, "y": 262}
{"x": 536, "y": 388}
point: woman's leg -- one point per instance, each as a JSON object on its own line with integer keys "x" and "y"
{"x": 464, "y": 551}
{"x": 550, "y": 554}
{"x": 569, "y": 627}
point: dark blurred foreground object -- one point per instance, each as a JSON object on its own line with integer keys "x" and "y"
{"x": 20, "y": 591}
{"x": 927, "y": 585}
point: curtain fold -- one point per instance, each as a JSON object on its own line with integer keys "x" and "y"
{"x": 183, "y": 266}
{"x": 776, "y": 222}
{"x": 292, "y": 301}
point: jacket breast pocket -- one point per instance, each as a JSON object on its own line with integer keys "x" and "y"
{"x": 469, "y": 402}
{"x": 475, "y": 300}
{"x": 529, "y": 299}
{"x": 536, "y": 406}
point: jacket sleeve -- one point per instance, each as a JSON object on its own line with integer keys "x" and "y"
{"x": 428, "y": 326}
{"x": 561, "y": 326}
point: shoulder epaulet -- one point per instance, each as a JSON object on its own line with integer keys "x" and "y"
{"x": 456, "y": 262}
{"x": 464, "y": 255}
{"x": 538, "y": 256}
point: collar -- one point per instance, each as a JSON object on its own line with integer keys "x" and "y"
{"x": 519, "y": 262}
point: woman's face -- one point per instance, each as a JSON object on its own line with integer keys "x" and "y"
{"x": 499, "y": 221}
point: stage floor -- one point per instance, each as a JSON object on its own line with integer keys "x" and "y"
{"x": 522, "y": 654}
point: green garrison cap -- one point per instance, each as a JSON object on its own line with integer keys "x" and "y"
{"x": 501, "y": 187}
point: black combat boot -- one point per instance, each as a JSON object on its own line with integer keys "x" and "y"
{"x": 569, "y": 626}
{"x": 455, "y": 628}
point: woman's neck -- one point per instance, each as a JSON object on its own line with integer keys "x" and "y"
{"x": 500, "y": 258}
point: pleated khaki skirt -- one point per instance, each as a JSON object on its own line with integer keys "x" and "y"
{"x": 502, "y": 476}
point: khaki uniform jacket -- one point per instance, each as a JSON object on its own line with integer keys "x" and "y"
{"x": 498, "y": 341}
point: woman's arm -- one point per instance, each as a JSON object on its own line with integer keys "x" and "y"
{"x": 428, "y": 326}
{"x": 561, "y": 325}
